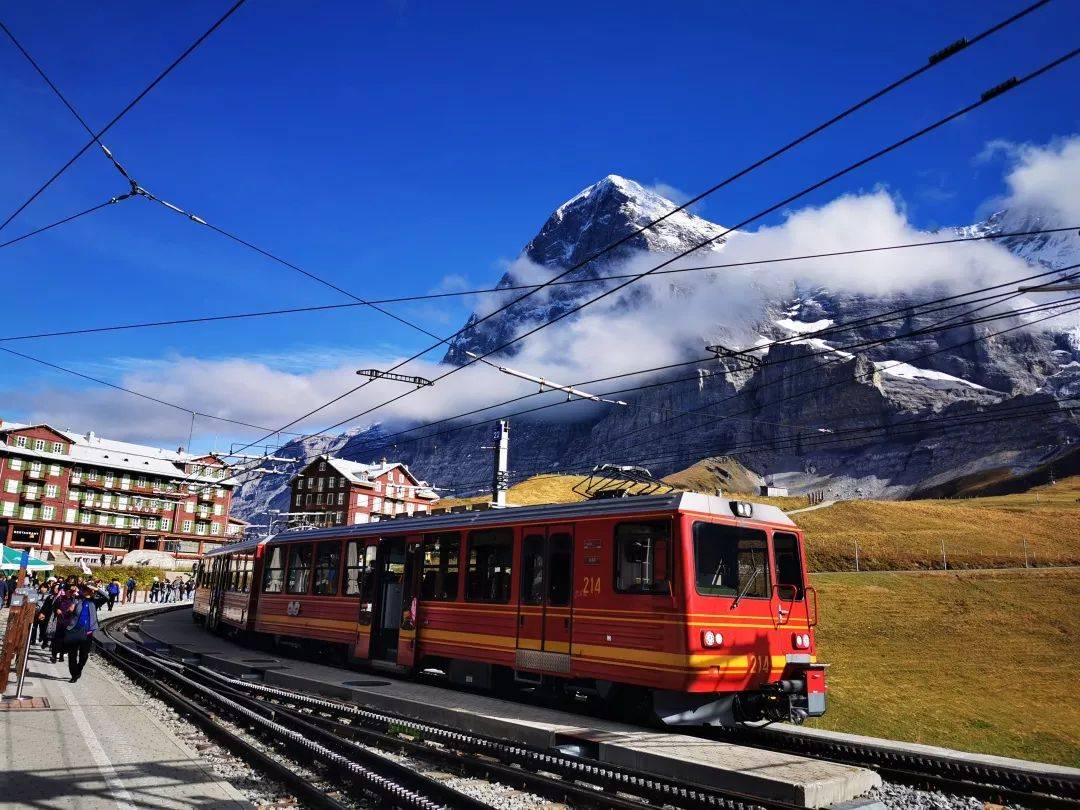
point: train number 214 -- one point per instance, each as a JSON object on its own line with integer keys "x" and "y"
{"x": 590, "y": 586}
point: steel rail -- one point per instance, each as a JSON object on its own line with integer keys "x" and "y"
{"x": 991, "y": 782}
{"x": 983, "y": 780}
{"x": 658, "y": 789}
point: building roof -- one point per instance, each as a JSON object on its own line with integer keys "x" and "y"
{"x": 546, "y": 513}
{"x": 93, "y": 450}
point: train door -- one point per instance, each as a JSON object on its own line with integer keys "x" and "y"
{"x": 788, "y": 597}
{"x": 544, "y": 610}
{"x": 386, "y": 616}
{"x": 218, "y": 577}
{"x": 410, "y": 602}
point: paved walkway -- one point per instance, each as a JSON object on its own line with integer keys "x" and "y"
{"x": 98, "y": 747}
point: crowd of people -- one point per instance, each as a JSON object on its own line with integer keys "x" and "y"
{"x": 178, "y": 589}
{"x": 67, "y": 609}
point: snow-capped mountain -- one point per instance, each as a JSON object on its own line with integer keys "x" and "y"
{"x": 612, "y": 210}
{"x": 811, "y": 415}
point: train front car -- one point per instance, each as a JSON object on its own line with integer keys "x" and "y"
{"x": 749, "y": 618}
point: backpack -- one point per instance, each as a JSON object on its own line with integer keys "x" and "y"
{"x": 78, "y": 632}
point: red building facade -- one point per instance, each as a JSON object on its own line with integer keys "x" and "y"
{"x": 81, "y": 497}
{"x": 335, "y": 492}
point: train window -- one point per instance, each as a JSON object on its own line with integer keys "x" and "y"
{"x": 532, "y": 569}
{"x": 327, "y": 567}
{"x": 731, "y": 561}
{"x": 439, "y": 579}
{"x": 249, "y": 567}
{"x": 561, "y": 557}
{"x": 788, "y": 564}
{"x": 490, "y": 556}
{"x": 367, "y": 590}
{"x": 643, "y": 557}
{"x": 299, "y": 568}
{"x": 274, "y": 572}
{"x": 354, "y": 567}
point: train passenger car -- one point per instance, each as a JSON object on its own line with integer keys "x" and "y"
{"x": 226, "y": 590}
{"x": 692, "y": 607}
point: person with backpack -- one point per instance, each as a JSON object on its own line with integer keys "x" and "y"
{"x": 129, "y": 590}
{"x": 79, "y": 620}
{"x": 114, "y": 593}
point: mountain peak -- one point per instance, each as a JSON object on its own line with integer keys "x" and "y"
{"x": 613, "y": 208}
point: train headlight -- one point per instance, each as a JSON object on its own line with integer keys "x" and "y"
{"x": 801, "y": 641}
{"x": 710, "y": 638}
{"x": 742, "y": 509}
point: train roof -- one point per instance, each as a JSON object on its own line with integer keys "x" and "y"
{"x": 231, "y": 548}
{"x": 543, "y": 513}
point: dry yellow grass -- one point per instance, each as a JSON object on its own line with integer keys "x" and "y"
{"x": 978, "y": 532}
{"x": 979, "y": 661}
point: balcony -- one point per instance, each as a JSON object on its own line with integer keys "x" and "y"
{"x": 32, "y": 473}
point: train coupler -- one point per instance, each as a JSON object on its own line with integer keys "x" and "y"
{"x": 791, "y": 699}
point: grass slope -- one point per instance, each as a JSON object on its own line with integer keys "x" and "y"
{"x": 973, "y": 660}
{"x": 978, "y": 532}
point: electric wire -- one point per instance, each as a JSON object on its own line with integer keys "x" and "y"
{"x": 986, "y": 97}
{"x": 934, "y": 60}
{"x": 881, "y": 318}
{"x": 412, "y": 298}
{"x": 96, "y": 136}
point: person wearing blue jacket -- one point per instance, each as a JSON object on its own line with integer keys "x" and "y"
{"x": 79, "y": 621}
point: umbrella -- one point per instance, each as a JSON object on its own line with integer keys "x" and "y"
{"x": 12, "y": 560}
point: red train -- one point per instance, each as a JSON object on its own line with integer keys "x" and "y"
{"x": 692, "y": 607}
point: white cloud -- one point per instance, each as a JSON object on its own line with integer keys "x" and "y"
{"x": 1044, "y": 180}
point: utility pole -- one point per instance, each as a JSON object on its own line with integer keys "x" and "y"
{"x": 500, "y": 479}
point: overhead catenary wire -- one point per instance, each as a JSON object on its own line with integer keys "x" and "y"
{"x": 140, "y": 191}
{"x": 424, "y": 297}
{"x": 986, "y": 98}
{"x": 883, "y": 317}
{"x": 934, "y": 60}
{"x": 96, "y": 135}
{"x": 1061, "y": 307}
{"x": 1051, "y": 305}
{"x": 65, "y": 220}
{"x": 131, "y": 391}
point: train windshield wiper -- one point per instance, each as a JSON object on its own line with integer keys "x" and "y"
{"x": 746, "y": 587}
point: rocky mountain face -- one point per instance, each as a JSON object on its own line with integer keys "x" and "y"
{"x": 883, "y": 409}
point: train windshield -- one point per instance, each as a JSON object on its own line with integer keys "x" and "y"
{"x": 731, "y": 561}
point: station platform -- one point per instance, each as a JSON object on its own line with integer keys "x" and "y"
{"x": 725, "y": 766}
{"x": 97, "y": 745}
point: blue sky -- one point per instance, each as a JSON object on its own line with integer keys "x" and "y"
{"x": 392, "y": 146}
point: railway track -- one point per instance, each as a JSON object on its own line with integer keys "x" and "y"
{"x": 582, "y": 781}
{"x": 342, "y": 739}
{"x": 984, "y": 780}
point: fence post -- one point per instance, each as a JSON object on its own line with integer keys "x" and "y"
{"x": 1026, "y": 565}
{"x": 856, "y": 556}
{"x": 944, "y": 559}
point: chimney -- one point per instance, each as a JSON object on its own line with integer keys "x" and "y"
{"x": 383, "y": 462}
{"x": 90, "y": 435}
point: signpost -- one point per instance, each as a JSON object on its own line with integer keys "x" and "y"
{"x": 16, "y": 648}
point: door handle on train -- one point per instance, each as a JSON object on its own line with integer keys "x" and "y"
{"x": 566, "y": 622}
{"x": 521, "y": 620}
